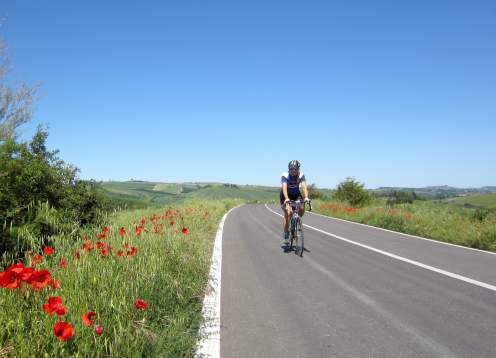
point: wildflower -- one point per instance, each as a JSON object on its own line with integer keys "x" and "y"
{"x": 157, "y": 229}
{"x": 98, "y": 330}
{"x": 120, "y": 253}
{"x": 78, "y": 255}
{"x": 140, "y": 304}
{"x": 48, "y": 250}
{"x": 106, "y": 229}
{"x": 139, "y": 230}
{"x": 26, "y": 274}
{"x": 105, "y": 253}
{"x": 40, "y": 279}
{"x": 55, "y": 284}
{"x": 36, "y": 259}
{"x": 63, "y": 331}
{"x": 88, "y": 246}
{"x": 87, "y": 318}
{"x": 101, "y": 245}
{"x": 54, "y": 305}
{"x": 63, "y": 263}
{"x": 122, "y": 232}
{"x": 133, "y": 251}
{"x": 171, "y": 223}
{"x": 185, "y": 231}
{"x": 9, "y": 279}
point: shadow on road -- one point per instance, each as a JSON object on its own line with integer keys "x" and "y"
{"x": 286, "y": 249}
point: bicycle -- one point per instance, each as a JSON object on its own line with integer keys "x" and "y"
{"x": 296, "y": 229}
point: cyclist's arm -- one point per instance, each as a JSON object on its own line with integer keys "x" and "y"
{"x": 305, "y": 189}
{"x": 285, "y": 190}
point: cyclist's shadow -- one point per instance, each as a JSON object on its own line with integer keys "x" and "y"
{"x": 287, "y": 249}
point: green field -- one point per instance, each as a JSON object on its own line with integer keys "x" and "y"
{"x": 151, "y": 193}
{"x": 487, "y": 201}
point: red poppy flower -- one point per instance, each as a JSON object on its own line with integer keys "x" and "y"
{"x": 140, "y": 304}
{"x": 9, "y": 279}
{"x": 139, "y": 230}
{"x": 48, "y": 250}
{"x": 171, "y": 223}
{"x": 16, "y": 268}
{"x": 126, "y": 246}
{"x": 63, "y": 263}
{"x": 157, "y": 229}
{"x": 142, "y": 222}
{"x": 106, "y": 229}
{"x": 185, "y": 231}
{"x": 26, "y": 274}
{"x": 100, "y": 245}
{"x": 78, "y": 255}
{"x": 133, "y": 251}
{"x": 105, "y": 253}
{"x": 120, "y": 253}
{"x": 122, "y": 232}
{"x": 54, "y": 305}
{"x": 55, "y": 284}
{"x": 63, "y": 331}
{"x": 39, "y": 279}
{"x": 36, "y": 259}
{"x": 98, "y": 330}
{"x": 102, "y": 236}
{"x": 87, "y": 318}
{"x": 88, "y": 246}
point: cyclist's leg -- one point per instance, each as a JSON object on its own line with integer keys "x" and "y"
{"x": 286, "y": 217}
{"x": 301, "y": 210}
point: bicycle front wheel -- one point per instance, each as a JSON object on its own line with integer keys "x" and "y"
{"x": 300, "y": 239}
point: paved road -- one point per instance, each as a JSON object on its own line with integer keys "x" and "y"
{"x": 344, "y": 300}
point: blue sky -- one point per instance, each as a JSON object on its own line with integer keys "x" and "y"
{"x": 392, "y": 94}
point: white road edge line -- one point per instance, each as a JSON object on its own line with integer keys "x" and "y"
{"x": 409, "y": 235}
{"x": 416, "y": 263}
{"x": 209, "y": 345}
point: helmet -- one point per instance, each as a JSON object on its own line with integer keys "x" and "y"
{"x": 294, "y": 164}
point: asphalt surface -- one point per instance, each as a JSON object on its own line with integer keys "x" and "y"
{"x": 342, "y": 300}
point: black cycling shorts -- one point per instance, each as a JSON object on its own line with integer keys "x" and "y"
{"x": 291, "y": 197}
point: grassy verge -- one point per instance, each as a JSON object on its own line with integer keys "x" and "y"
{"x": 143, "y": 275}
{"x": 457, "y": 225}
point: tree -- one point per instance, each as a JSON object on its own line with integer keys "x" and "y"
{"x": 352, "y": 191}
{"x": 15, "y": 104}
{"x": 315, "y": 193}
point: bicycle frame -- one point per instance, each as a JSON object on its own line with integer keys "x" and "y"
{"x": 296, "y": 227}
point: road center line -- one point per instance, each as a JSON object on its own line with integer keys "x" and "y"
{"x": 400, "y": 258}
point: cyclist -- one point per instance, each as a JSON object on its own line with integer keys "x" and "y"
{"x": 290, "y": 190}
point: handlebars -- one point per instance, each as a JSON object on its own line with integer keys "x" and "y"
{"x": 298, "y": 203}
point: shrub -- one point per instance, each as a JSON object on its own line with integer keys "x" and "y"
{"x": 30, "y": 175}
{"x": 315, "y": 193}
{"x": 352, "y": 192}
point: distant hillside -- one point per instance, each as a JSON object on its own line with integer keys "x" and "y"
{"x": 151, "y": 193}
{"x": 487, "y": 201}
{"x": 438, "y": 192}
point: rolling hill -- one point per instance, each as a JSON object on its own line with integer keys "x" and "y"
{"x": 151, "y": 193}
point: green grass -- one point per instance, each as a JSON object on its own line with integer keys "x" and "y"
{"x": 169, "y": 272}
{"x": 438, "y": 221}
{"x": 487, "y": 201}
{"x": 166, "y": 193}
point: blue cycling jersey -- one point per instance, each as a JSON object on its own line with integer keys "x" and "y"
{"x": 293, "y": 182}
